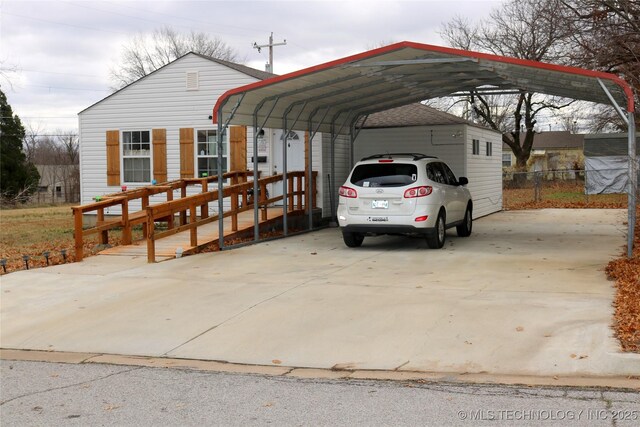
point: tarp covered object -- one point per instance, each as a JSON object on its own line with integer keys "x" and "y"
{"x": 606, "y": 174}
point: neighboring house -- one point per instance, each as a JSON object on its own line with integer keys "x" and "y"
{"x": 469, "y": 149}
{"x": 552, "y": 151}
{"x": 58, "y": 184}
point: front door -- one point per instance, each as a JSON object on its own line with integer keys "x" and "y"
{"x": 295, "y": 157}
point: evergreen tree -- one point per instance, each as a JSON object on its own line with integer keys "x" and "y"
{"x": 18, "y": 178}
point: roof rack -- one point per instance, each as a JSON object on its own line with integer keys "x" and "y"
{"x": 415, "y": 156}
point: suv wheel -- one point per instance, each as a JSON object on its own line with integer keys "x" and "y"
{"x": 464, "y": 229}
{"x": 436, "y": 240}
{"x": 352, "y": 240}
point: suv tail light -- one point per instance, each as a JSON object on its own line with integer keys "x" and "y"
{"x": 348, "y": 192}
{"x": 422, "y": 191}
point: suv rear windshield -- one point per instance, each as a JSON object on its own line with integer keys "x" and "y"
{"x": 384, "y": 175}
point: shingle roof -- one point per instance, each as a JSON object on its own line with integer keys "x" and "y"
{"x": 258, "y": 74}
{"x": 559, "y": 140}
{"x": 413, "y": 115}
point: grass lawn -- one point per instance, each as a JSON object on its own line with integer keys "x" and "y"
{"x": 34, "y": 230}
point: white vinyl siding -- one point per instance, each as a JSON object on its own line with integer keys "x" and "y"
{"x": 342, "y": 169}
{"x": 445, "y": 142}
{"x": 157, "y": 101}
{"x": 485, "y": 172}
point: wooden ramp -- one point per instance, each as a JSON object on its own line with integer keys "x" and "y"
{"x": 208, "y": 233}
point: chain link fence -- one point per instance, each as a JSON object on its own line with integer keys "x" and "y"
{"x": 563, "y": 187}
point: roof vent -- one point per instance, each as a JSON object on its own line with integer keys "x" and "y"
{"x": 192, "y": 80}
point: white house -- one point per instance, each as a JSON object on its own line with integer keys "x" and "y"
{"x": 469, "y": 149}
{"x": 159, "y": 128}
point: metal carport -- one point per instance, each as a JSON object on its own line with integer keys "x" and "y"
{"x": 333, "y": 97}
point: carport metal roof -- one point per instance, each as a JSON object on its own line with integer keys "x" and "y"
{"x": 338, "y": 91}
{"x": 334, "y": 96}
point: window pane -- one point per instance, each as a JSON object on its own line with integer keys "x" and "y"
{"x": 202, "y": 135}
{"x": 384, "y": 175}
{"x": 137, "y": 169}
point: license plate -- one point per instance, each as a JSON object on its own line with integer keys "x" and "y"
{"x": 379, "y": 204}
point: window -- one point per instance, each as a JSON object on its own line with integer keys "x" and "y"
{"x": 384, "y": 175}
{"x": 136, "y": 156}
{"x": 506, "y": 160}
{"x": 476, "y": 147}
{"x": 207, "y": 153}
{"x": 489, "y": 149}
{"x": 449, "y": 176}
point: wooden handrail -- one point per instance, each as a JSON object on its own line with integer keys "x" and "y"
{"x": 191, "y": 203}
{"x": 240, "y": 187}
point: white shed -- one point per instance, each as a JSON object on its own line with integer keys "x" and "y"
{"x": 469, "y": 149}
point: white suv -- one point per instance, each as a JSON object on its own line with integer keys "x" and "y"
{"x": 403, "y": 194}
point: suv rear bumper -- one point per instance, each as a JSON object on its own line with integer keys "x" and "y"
{"x": 387, "y": 229}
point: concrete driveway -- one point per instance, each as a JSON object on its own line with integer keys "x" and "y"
{"x": 526, "y": 294}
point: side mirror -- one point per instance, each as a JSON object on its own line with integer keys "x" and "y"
{"x": 463, "y": 180}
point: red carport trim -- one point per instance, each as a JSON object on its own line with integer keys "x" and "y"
{"x": 430, "y": 48}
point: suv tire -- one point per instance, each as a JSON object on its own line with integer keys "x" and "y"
{"x": 436, "y": 240}
{"x": 464, "y": 229}
{"x": 352, "y": 240}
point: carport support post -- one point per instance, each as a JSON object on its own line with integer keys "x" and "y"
{"x": 633, "y": 183}
{"x": 285, "y": 134}
{"x": 309, "y": 197}
{"x": 256, "y": 222}
{"x": 332, "y": 181}
{"x": 220, "y": 189}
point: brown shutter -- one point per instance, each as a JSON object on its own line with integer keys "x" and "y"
{"x": 113, "y": 157}
{"x": 159, "y": 138}
{"x": 186, "y": 153}
{"x": 238, "y": 142}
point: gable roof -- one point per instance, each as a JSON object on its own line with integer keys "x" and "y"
{"x": 251, "y": 72}
{"x": 555, "y": 140}
{"x": 415, "y": 114}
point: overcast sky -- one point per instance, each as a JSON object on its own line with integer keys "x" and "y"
{"x": 63, "y": 50}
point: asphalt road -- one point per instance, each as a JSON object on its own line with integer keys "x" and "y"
{"x": 36, "y": 393}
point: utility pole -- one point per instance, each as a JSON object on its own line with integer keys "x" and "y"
{"x": 269, "y": 66}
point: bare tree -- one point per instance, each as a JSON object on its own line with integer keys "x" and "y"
{"x": 526, "y": 29}
{"x": 146, "y": 53}
{"x": 605, "y": 35}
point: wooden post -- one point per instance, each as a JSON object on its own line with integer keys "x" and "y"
{"x": 104, "y": 234}
{"x": 234, "y": 211}
{"x": 262, "y": 200}
{"x": 193, "y": 232}
{"x": 145, "y": 203}
{"x": 299, "y": 191}
{"x": 126, "y": 229}
{"x": 291, "y": 192}
{"x": 183, "y": 194}
{"x": 170, "y": 219}
{"x": 204, "y": 209}
{"x": 151, "y": 244}
{"x": 314, "y": 192}
{"x": 77, "y": 219}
